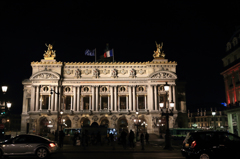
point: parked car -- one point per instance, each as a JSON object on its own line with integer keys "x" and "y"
{"x": 211, "y": 144}
{"x": 28, "y": 145}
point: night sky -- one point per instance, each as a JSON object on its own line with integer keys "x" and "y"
{"x": 194, "y": 34}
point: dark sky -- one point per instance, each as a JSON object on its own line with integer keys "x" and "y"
{"x": 194, "y": 34}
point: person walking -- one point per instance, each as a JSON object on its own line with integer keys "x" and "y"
{"x": 142, "y": 140}
{"x": 61, "y": 137}
{"x": 131, "y": 139}
{"x": 147, "y": 138}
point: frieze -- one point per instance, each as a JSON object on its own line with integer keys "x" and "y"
{"x": 141, "y": 71}
{"x": 45, "y": 76}
{"x": 94, "y": 118}
{"x": 162, "y": 75}
{"x": 104, "y": 71}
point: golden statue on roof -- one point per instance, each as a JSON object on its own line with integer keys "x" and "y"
{"x": 50, "y": 54}
{"x": 159, "y": 53}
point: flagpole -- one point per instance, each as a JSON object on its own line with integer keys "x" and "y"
{"x": 95, "y": 55}
{"x": 113, "y": 54}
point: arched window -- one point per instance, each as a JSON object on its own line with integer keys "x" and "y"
{"x": 45, "y": 88}
{"x": 104, "y": 89}
{"x": 86, "y": 89}
{"x": 235, "y": 41}
{"x": 67, "y": 89}
{"x": 140, "y": 89}
{"x": 122, "y": 89}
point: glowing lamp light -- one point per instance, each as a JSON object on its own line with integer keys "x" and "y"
{"x": 4, "y": 89}
{"x": 171, "y": 104}
{"x": 61, "y": 112}
{"x": 166, "y": 87}
{"x": 137, "y": 112}
{"x": 135, "y": 120}
{"x": 161, "y": 105}
{"x": 9, "y": 105}
{"x": 139, "y": 120}
{"x": 213, "y": 113}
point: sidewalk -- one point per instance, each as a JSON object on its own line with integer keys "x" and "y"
{"x": 156, "y": 146}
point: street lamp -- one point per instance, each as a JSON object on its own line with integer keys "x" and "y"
{"x": 213, "y": 114}
{"x": 137, "y": 123}
{"x": 4, "y": 89}
{"x": 168, "y": 112}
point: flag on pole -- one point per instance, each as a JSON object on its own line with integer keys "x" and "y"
{"x": 108, "y": 53}
{"x": 90, "y": 52}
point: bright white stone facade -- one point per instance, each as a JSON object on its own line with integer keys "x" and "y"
{"x": 97, "y": 92}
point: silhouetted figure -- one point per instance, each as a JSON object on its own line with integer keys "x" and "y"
{"x": 84, "y": 140}
{"x": 131, "y": 139}
{"x": 56, "y": 135}
{"x": 99, "y": 140}
{"x": 61, "y": 137}
{"x": 147, "y": 138}
{"x": 142, "y": 140}
{"x": 123, "y": 137}
{"x": 112, "y": 141}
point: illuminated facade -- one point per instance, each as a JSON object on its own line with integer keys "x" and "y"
{"x": 108, "y": 93}
{"x": 231, "y": 76}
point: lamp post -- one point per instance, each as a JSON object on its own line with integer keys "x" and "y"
{"x": 168, "y": 112}
{"x": 214, "y": 124}
{"x": 137, "y": 123}
{"x": 61, "y": 112}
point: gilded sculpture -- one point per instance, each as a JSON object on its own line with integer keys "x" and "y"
{"x": 50, "y": 54}
{"x": 159, "y": 53}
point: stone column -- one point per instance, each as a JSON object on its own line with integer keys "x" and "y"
{"x": 170, "y": 93}
{"x": 93, "y": 99}
{"x": 111, "y": 91}
{"x": 119, "y": 102}
{"x": 56, "y": 99}
{"x": 90, "y": 102}
{"x": 37, "y": 99}
{"x": 130, "y": 97}
{"x": 150, "y": 98}
{"x": 81, "y": 102}
{"x": 127, "y": 102}
{"x": 137, "y": 104}
{"x": 155, "y": 98}
{"x": 230, "y": 126}
{"x": 59, "y": 98}
{"x": 115, "y": 98}
{"x": 25, "y": 106}
{"x": 78, "y": 98}
{"x": 97, "y": 108}
{"x": 109, "y": 108}
{"x": 49, "y": 102}
{"x": 74, "y": 98}
{"x": 134, "y": 98}
{"x": 174, "y": 98}
{"x": 40, "y": 102}
{"x": 145, "y": 100}
{"x": 32, "y": 98}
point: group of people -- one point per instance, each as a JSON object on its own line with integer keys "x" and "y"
{"x": 84, "y": 139}
{"x": 132, "y": 139}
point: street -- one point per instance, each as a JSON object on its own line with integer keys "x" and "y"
{"x": 163, "y": 155}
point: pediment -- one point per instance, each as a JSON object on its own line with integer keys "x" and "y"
{"x": 45, "y": 75}
{"x": 163, "y": 75}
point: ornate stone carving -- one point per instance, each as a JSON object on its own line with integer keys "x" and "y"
{"x": 94, "y": 118}
{"x": 68, "y": 72}
{"x": 141, "y": 71}
{"x": 87, "y": 71}
{"x": 77, "y": 73}
{"x": 75, "y": 118}
{"x": 163, "y": 75}
{"x": 113, "y": 73}
{"x": 104, "y": 71}
{"x": 114, "y": 118}
{"x": 45, "y": 76}
{"x": 159, "y": 53}
{"x": 95, "y": 73}
{"x": 49, "y": 54}
{"x": 132, "y": 73}
{"x": 123, "y": 71}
